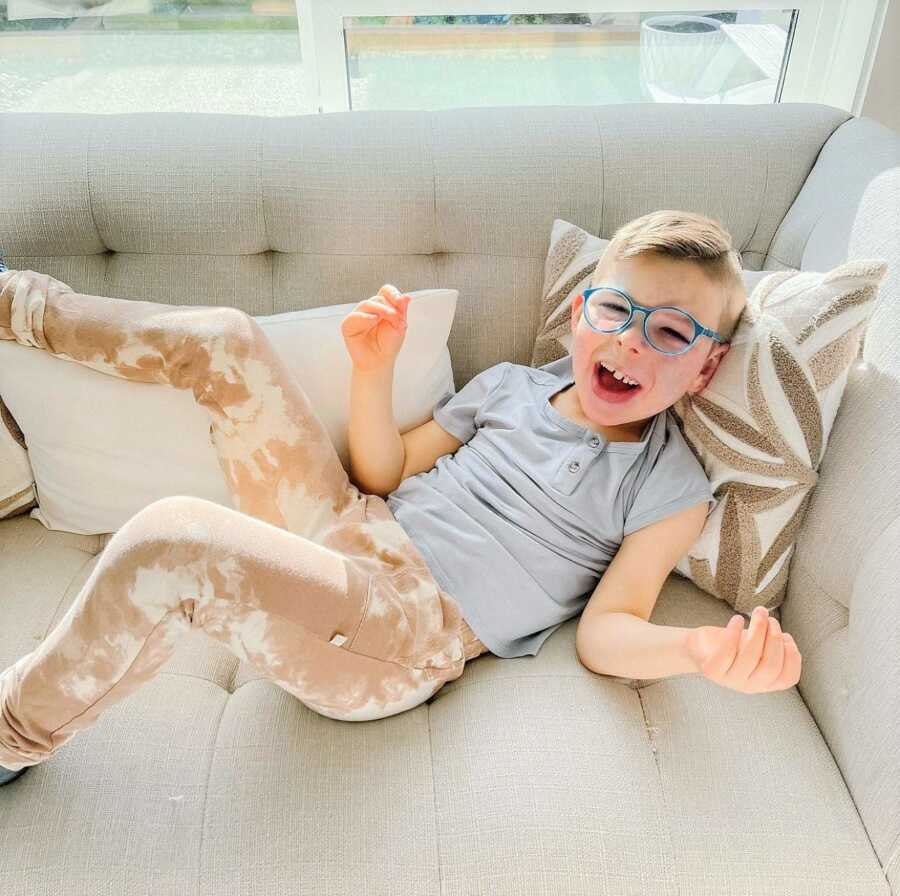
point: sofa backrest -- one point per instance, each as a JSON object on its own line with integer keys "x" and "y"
{"x": 276, "y": 214}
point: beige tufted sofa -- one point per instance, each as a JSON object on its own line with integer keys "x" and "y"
{"x": 525, "y": 776}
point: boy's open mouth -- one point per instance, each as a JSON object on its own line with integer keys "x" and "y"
{"x": 608, "y": 388}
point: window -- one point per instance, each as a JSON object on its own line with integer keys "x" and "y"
{"x": 438, "y": 62}
{"x": 233, "y": 56}
{"x": 294, "y": 57}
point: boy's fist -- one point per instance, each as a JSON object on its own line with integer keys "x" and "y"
{"x": 760, "y": 659}
{"x": 375, "y": 329}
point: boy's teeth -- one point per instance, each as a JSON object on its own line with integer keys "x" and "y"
{"x": 619, "y": 376}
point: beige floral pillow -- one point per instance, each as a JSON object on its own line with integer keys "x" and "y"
{"x": 761, "y": 426}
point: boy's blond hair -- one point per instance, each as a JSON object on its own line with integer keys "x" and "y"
{"x": 693, "y": 237}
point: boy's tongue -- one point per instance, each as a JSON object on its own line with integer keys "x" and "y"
{"x": 608, "y": 381}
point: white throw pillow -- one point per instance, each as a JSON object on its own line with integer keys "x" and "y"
{"x": 102, "y": 447}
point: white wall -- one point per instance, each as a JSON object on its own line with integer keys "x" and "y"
{"x": 882, "y": 100}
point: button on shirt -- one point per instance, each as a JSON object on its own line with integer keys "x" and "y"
{"x": 519, "y": 524}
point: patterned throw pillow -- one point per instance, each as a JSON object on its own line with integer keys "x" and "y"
{"x": 761, "y": 426}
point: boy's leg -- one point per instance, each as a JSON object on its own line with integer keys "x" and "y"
{"x": 278, "y": 461}
{"x": 349, "y": 645}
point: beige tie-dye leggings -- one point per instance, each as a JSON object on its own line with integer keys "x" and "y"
{"x": 311, "y": 581}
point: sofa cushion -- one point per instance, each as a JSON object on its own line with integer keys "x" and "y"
{"x": 523, "y": 773}
{"x": 761, "y": 425}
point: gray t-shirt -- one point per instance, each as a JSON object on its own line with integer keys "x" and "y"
{"x": 520, "y": 522}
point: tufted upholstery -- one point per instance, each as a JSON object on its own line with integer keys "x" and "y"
{"x": 530, "y": 775}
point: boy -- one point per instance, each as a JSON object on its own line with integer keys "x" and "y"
{"x": 529, "y": 478}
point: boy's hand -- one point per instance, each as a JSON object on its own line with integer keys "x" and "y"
{"x": 375, "y": 329}
{"x": 761, "y": 659}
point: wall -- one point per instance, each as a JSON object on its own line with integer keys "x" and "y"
{"x": 882, "y": 100}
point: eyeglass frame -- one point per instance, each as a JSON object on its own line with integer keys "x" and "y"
{"x": 699, "y": 329}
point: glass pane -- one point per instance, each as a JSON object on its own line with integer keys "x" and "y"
{"x": 228, "y": 56}
{"x": 440, "y": 62}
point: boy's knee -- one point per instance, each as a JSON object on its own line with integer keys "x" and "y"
{"x": 162, "y": 524}
{"x": 230, "y": 337}
{"x": 180, "y": 507}
{"x": 230, "y": 327}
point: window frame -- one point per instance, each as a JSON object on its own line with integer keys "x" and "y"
{"x": 830, "y": 57}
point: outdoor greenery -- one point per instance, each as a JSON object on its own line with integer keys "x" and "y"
{"x": 168, "y": 15}
{"x": 534, "y": 19}
{"x": 236, "y": 15}
{"x": 523, "y": 19}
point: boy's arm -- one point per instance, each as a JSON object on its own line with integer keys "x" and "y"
{"x": 614, "y": 636}
{"x": 626, "y": 646}
{"x": 375, "y": 445}
{"x": 380, "y": 457}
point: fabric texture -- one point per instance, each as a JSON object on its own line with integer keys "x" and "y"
{"x": 309, "y": 580}
{"x": 760, "y": 428}
{"x": 102, "y": 448}
{"x": 537, "y": 504}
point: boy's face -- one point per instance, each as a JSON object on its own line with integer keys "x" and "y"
{"x": 650, "y": 280}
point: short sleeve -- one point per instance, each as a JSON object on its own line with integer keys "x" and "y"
{"x": 456, "y": 411}
{"x": 676, "y": 481}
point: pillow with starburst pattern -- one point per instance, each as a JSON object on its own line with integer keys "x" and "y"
{"x": 761, "y": 426}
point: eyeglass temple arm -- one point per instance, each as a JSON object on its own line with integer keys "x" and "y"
{"x": 711, "y": 333}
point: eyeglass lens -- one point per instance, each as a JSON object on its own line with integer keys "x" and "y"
{"x": 668, "y": 329}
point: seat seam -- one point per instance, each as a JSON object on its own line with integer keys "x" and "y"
{"x": 212, "y": 756}
{"x": 437, "y": 838}
{"x": 667, "y": 814}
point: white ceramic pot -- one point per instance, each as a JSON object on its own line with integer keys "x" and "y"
{"x": 675, "y": 52}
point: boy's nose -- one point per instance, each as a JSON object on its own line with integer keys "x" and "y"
{"x": 632, "y": 337}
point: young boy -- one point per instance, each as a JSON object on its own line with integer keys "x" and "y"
{"x": 526, "y": 487}
{"x": 529, "y": 484}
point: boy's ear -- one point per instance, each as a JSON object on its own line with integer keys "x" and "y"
{"x": 576, "y": 310}
{"x": 710, "y": 365}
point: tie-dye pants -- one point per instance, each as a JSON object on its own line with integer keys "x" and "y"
{"x": 311, "y": 581}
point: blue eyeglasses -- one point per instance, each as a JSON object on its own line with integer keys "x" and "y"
{"x": 667, "y": 329}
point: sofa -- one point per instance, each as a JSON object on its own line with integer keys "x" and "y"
{"x": 531, "y": 775}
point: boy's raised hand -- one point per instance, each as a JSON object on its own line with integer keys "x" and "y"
{"x": 760, "y": 659}
{"x": 375, "y": 329}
